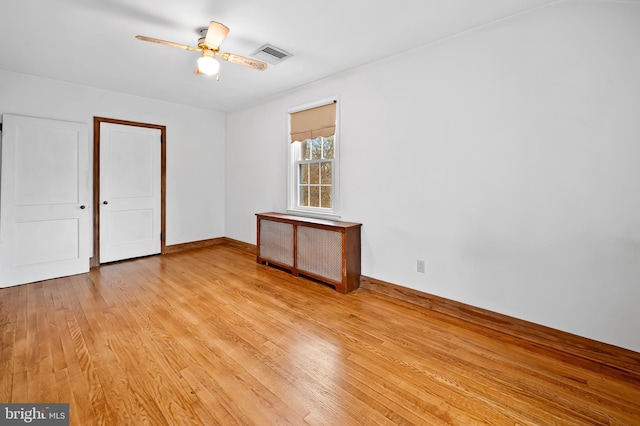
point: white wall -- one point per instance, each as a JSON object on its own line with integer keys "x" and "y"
{"x": 195, "y": 143}
{"x": 507, "y": 158}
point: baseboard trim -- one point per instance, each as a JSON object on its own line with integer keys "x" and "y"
{"x": 241, "y": 245}
{"x": 617, "y": 361}
{"x": 193, "y": 245}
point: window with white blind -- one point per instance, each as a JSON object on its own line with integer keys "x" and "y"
{"x": 313, "y": 158}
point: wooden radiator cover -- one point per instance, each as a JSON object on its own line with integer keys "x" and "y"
{"x": 326, "y": 250}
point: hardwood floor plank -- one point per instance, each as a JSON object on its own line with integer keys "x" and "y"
{"x": 213, "y": 406}
{"x": 208, "y": 336}
{"x": 65, "y": 394}
{"x": 8, "y": 319}
{"x": 451, "y": 362}
{"x": 139, "y": 388}
{"x": 88, "y": 372}
{"x": 19, "y": 390}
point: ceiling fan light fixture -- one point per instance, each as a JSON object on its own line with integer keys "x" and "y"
{"x": 207, "y": 64}
{"x": 209, "y": 45}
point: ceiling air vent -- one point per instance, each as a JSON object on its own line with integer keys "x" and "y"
{"x": 271, "y": 54}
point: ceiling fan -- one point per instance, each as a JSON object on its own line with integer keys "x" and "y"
{"x": 209, "y": 45}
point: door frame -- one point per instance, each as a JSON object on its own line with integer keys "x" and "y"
{"x": 95, "y": 260}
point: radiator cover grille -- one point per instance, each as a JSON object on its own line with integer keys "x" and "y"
{"x": 276, "y": 241}
{"x": 319, "y": 251}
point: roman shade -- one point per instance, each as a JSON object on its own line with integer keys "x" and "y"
{"x": 313, "y": 123}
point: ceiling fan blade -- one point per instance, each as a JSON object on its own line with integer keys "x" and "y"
{"x": 241, "y": 60}
{"x": 167, "y": 43}
{"x": 216, "y": 33}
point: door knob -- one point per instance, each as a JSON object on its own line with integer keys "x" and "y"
{"x": 105, "y": 202}
{"x": 82, "y": 207}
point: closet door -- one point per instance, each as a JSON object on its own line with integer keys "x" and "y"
{"x": 130, "y": 191}
{"x": 45, "y": 208}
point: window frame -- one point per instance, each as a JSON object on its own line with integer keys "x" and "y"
{"x": 294, "y": 154}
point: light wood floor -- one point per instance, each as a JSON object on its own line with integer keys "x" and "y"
{"x": 210, "y": 337}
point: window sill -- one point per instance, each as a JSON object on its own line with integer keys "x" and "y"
{"x": 316, "y": 215}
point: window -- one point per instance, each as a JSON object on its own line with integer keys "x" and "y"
{"x": 313, "y": 159}
{"x": 314, "y": 167}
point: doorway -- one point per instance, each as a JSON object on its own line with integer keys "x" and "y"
{"x": 125, "y": 224}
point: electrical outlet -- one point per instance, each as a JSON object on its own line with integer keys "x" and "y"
{"x": 421, "y": 266}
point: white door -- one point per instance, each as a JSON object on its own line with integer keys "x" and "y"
{"x": 129, "y": 191}
{"x": 45, "y": 207}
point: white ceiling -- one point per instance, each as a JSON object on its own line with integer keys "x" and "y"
{"x": 91, "y": 42}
